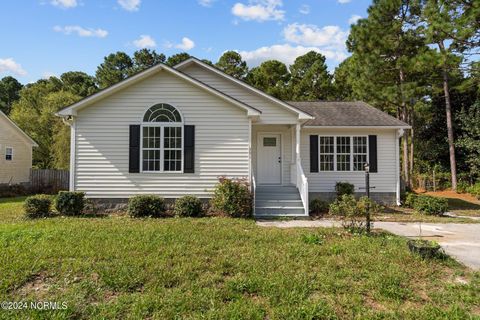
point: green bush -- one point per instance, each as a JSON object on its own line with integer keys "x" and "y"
{"x": 232, "y": 198}
{"x": 430, "y": 205}
{"x": 318, "y": 206}
{"x": 410, "y": 200}
{"x": 344, "y": 188}
{"x": 146, "y": 206}
{"x": 462, "y": 187}
{"x": 353, "y": 212}
{"x": 70, "y": 203}
{"x": 37, "y": 206}
{"x": 474, "y": 190}
{"x": 188, "y": 206}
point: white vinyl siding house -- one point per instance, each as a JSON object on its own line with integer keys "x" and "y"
{"x": 220, "y": 126}
{"x": 15, "y": 153}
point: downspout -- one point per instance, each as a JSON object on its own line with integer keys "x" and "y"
{"x": 70, "y": 121}
{"x": 398, "y": 134}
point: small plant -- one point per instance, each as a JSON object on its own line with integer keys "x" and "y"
{"x": 70, "y": 203}
{"x": 430, "y": 205}
{"x": 474, "y": 190}
{"x": 146, "y": 206}
{"x": 312, "y": 239}
{"x": 410, "y": 200}
{"x": 353, "y": 212}
{"x": 232, "y": 198}
{"x": 37, "y": 206}
{"x": 344, "y": 188}
{"x": 318, "y": 206}
{"x": 425, "y": 248}
{"x": 462, "y": 187}
{"x": 188, "y": 206}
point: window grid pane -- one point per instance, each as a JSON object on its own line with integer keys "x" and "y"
{"x": 326, "y": 148}
{"x": 343, "y": 153}
{"x": 360, "y": 152}
{"x": 151, "y": 148}
{"x": 172, "y": 154}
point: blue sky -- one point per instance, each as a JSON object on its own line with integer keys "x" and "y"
{"x": 48, "y": 37}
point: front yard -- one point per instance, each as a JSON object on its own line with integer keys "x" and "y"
{"x": 221, "y": 268}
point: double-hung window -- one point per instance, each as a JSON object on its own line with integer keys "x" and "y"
{"x": 162, "y": 139}
{"x": 8, "y": 154}
{"x": 342, "y": 153}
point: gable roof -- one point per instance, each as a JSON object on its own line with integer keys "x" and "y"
{"x": 347, "y": 114}
{"x": 302, "y": 115}
{"x": 14, "y": 125}
{"x": 72, "y": 109}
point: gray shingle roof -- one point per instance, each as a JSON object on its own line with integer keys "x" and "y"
{"x": 340, "y": 113}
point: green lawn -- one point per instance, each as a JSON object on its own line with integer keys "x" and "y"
{"x": 220, "y": 268}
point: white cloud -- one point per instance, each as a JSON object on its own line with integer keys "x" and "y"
{"x": 206, "y": 3}
{"x": 145, "y": 41}
{"x": 64, "y": 3}
{"x": 304, "y": 9}
{"x": 354, "y": 18}
{"x": 186, "y": 44}
{"x": 82, "y": 32}
{"x": 130, "y": 5}
{"x": 8, "y": 65}
{"x": 259, "y": 10}
{"x": 311, "y": 35}
{"x": 287, "y": 54}
{"x": 343, "y": 1}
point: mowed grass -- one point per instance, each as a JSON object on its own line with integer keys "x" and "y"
{"x": 220, "y": 268}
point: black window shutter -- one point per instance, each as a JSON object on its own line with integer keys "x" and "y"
{"x": 189, "y": 149}
{"x": 134, "y": 152}
{"x": 372, "y": 153}
{"x": 313, "y": 153}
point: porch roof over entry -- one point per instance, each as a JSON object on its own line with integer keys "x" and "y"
{"x": 346, "y": 114}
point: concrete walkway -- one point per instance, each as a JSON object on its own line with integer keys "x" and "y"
{"x": 459, "y": 240}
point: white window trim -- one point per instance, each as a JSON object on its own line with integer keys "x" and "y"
{"x": 6, "y": 148}
{"x": 335, "y": 152}
{"x": 162, "y": 125}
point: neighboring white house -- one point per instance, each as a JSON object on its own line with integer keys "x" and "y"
{"x": 175, "y": 131}
{"x": 15, "y": 152}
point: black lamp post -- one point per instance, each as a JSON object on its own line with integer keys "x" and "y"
{"x": 367, "y": 190}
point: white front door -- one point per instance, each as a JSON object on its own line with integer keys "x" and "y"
{"x": 269, "y": 160}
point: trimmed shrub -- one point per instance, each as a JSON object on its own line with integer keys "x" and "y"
{"x": 410, "y": 200}
{"x": 430, "y": 205}
{"x": 70, "y": 203}
{"x": 37, "y": 206}
{"x": 318, "y": 206}
{"x": 232, "y": 198}
{"x": 353, "y": 212}
{"x": 188, "y": 206}
{"x": 146, "y": 206}
{"x": 344, "y": 188}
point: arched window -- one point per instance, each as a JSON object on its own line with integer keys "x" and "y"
{"x": 162, "y": 139}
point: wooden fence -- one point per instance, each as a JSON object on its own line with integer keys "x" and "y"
{"x": 49, "y": 180}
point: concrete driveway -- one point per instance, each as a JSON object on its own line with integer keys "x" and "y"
{"x": 460, "y": 241}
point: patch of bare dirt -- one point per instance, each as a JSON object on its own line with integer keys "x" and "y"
{"x": 452, "y": 194}
{"x": 38, "y": 285}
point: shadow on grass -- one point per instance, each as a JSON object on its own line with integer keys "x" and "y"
{"x": 12, "y": 199}
{"x": 459, "y": 204}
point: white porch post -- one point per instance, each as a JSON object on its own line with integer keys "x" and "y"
{"x": 73, "y": 140}
{"x": 297, "y": 143}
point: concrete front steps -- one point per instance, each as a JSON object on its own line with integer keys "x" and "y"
{"x": 278, "y": 201}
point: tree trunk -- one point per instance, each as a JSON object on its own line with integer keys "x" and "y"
{"x": 405, "y": 135}
{"x": 448, "y": 110}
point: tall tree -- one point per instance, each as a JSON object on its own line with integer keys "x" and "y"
{"x": 342, "y": 80}
{"x": 469, "y": 141}
{"x": 449, "y": 25}
{"x": 115, "y": 68}
{"x": 79, "y": 83}
{"x": 310, "y": 79}
{"x": 386, "y": 50}
{"x": 177, "y": 58}
{"x": 271, "y": 76}
{"x": 9, "y": 93}
{"x": 146, "y": 58}
{"x": 232, "y": 64}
